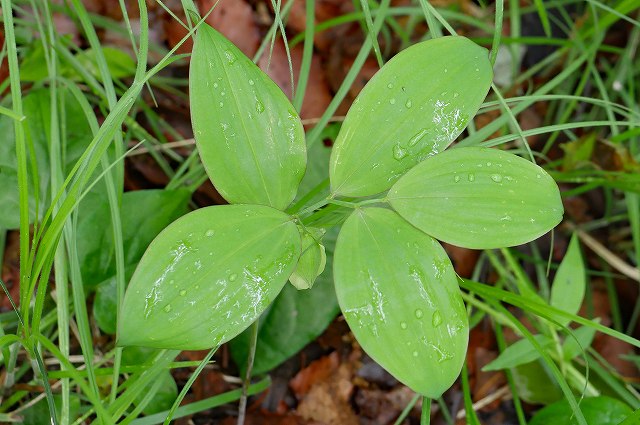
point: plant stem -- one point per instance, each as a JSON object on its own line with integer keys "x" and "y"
{"x": 242, "y": 409}
{"x": 425, "y": 417}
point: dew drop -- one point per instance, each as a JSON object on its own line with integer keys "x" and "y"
{"x": 231, "y": 58}
{"x": 251, "y": 82}
{"x": 209, "y": 233}
{"x": 456, "y": 94}
{"x": 415, "y": 354}
{"x": 408, "y": 104}
{"x": 436, "y": 320}
{"x": 403, "y": 325}
{"x": 392, "y": 101}
{"x": 506, "y": 217}
{"x": 496, "y": 178}
{"x": 446, "y": 70}
{"x": 471, "y": 177}
{"x": 183, "y": 292}
{"x": 259, "y": 107}
{"x": 399, "y": 152}
{"x": 215, "y": 85}
{"x": 233, "y": 277}
{"x": 221, "y": 104}
{"x": 456, "y": 178}
{"x": 419, "y": 313}
{"x": 389, "y": 86}
{"x": 538, "y": 176}
{"x": 167, "y": 308}
{"x": 417, "y": 137}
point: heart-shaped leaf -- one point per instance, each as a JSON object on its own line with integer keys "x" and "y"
{"x": 478, "y": 198}
{"x": 208, "y": 276}
{"x": 414, "y": 107}
{"x": 399, "y": 293}
{"x": 249, "y": 136}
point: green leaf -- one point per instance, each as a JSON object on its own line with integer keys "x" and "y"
{"x": 399, "y": 293}
{"x": 518, "y": 353}
{"x": 535, "y": 384}
{"x": 478, "y": 198}
{"x": 596, "y": 410}
{"x": 584, "y": 336}
{"x": 295, "y": 319}
{"x": 413, "y": 108}
{"x": 37, "y": 110}
{"x": 249, "y": 136}
{"x": 567, "y": 291}
{"x": 144, "y": 213}
{"x": 120, "y": 64}
{"x": 312, "y": 261}
{"x": 208, "y": 276}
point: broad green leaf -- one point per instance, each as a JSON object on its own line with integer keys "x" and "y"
{"x": 399, "y": 293}
{"x": 249, "y": 136}
{"x": 518, "y": 353}
{"x": 584, "y": 336}
{"x": 208, "y": 276}
{"x": 38, "y": 413}
{"x": 413, "y": 108}
{"x": 120, "y": 64}
{"x": 567, "y": 291}
{"x": 105, "y": 302}
{"x": 478, "y": 198}
{"x": 294, "y": 320}
{"x": 144, "y": 213}
{"x": 38, "y": 117}
{"x": 312, "y": 260}
{"x": 535, "y": 384}
{"x": 596, "y": 410}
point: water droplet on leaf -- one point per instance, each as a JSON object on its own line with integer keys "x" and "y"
{"x": 399, "y": 152}
{"x": 233, "y": 277}
{"x": 167, "y": 308}
{"x": 259, "y": 107}
{"x": 419, "y": 313}
{"x": 496, "y": 178}
{"x": 471, "y": 177}
{"x": 436, "y": 320}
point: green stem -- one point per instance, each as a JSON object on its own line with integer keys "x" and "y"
{"x": 242, "y": 409}
{"x": 425, "y": 417}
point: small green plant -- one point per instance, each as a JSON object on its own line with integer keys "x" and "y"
{"x": 214, "y": 271}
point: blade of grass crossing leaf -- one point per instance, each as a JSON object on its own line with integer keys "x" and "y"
{"x": 276, "y": 7}
{"x": 21, "y": 156}
{"x": 432, "y": 22}
{"x": 471, "y": 416}
{"x": 544, "y": 18}
{"x": 512, "y": 386}
{"x": 549, "y": 363}
{"x": 314, "y": 135}
{"x": 543, "y": 310}
{"x": 188, "y": 385}
{"x": 202, "y": 405}
{"x": 55, "y": 153}
{"x": 307, "y": 55}
{"x": 497, "y": 32}
{"x": 364, "y": 4}
{"x": 405, "y": 412}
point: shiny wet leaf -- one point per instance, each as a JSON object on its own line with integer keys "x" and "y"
{"x": 398, "y": 292}
{"x": 478, "y": 198}
{"x": 248, "y": 134}
{"x": 413, "y": 108}
{"x": 208, "y": 276}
